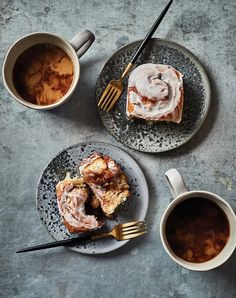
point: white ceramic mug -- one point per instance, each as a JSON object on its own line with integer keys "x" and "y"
{"x": 75, "y": 49}
{"x": 181, "y": 193}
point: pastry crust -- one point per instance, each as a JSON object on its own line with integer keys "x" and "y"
{"x": 106, "y": 180}
{"x": 155, "y": 93}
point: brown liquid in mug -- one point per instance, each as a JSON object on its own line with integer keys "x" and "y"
{"x": 197, "y": 230}
{"x": 43, "y": 74}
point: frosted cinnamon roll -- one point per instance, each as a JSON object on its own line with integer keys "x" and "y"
{"x": 155, "y": 93}
{"x": 106, "y": 180}
{"x": 71, "y": 197}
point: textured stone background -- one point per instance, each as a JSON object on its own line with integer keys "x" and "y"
{"x": 28, "y": 139}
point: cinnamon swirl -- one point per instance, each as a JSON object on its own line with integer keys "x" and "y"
{"x": 106, "y": 180}
{"x": 155, "y": 93}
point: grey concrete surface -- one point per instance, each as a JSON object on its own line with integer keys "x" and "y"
{"x": 28, "y": 139}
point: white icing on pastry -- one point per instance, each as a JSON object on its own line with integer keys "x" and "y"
{"x": 154, "y": 92}
{"x": 71, "y": 205}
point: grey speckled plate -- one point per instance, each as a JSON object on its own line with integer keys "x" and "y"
{"x": 162, "y": 136}
{"x": 68, "y": 160}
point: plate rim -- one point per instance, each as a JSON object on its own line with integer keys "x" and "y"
{"x": 202, "y": 72}
{"x": 121, "y": 243}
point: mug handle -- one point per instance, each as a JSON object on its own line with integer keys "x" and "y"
{"x": 176, "y": 183}
{"x": 82, "y": 41}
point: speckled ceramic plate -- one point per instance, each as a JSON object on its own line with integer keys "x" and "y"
{"x": 162, "y": 136}
{"x": 68, "y": 160}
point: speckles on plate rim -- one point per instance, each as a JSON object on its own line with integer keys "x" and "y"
{"x": 162, "y": 136}
{"x": 134, "y": 209}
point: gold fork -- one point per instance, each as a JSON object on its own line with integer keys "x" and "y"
{"x": 120, "y": 232}
{"x": 114, "y": 89}
{"x": 125, "y": 231}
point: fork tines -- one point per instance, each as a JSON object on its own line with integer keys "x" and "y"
{"x": 109, "y": 97}
{"x": 133, "y": 229}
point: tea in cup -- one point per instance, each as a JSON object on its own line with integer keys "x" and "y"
{"x": 41, "y": 70}
{"x": 198, "y": 228}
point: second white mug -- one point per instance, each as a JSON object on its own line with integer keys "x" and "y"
{"x": 181, "y": 193}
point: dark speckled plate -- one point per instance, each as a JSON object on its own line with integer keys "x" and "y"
{"x": 68, "y": 160}
{"x": 162, "y": 136}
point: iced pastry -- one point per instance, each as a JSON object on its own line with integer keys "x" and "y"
{"x": 106, "y": 180}
{"x": 155, "y": 93}
{"x": 72, "y": 195}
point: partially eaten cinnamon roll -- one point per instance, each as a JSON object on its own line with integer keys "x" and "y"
{"x": 72, "y": 195}
{"x": 155, "y": 93}
{"x": 103, "y": 187}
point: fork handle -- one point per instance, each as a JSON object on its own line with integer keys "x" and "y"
{"x": 128, "y": 67}
{"x": 99, "y": 236}
{"x": 150, "y": 33}
{"x": 66, "y": 242}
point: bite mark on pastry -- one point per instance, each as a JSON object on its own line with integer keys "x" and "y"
{"x": 72, "y": 195}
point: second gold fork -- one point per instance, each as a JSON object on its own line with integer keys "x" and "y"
{"x": 120, "y": 232}
{"x": 114, "y": 89}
